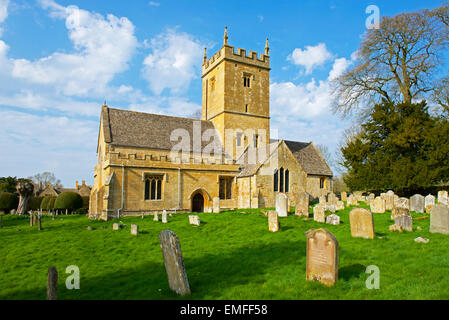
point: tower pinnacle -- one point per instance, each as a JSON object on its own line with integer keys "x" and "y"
{"x": 225, "y": 39}
{"x": 267, "y": 48}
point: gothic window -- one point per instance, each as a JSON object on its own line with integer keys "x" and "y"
{"x": 276, "y": 180}
{"x": 246, "y": 108}
{"x": 247, "y": 81}
{"x": 321, "y": 183}
{"x": 153, "y": 188}
{"x": 225, "y": 188}
{"x": 281, "y": 180}
{"x": 287, "y": 180}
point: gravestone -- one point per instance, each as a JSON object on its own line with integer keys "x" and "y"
{"x": 429, "y": 202}
{"x": 302, "y": 204}
{"x": 319, "y": 214}
{"x": 322, "y": 257}
{"x": 377, "y": 205}
{"x": 322, "y": 200}
{"x": 405, "y": 221}
{"x": 417, "y": 203}
{"x": 389, "y": 200}
{"x": 442, "y": 197}
{"x": 398, "y": 211}
{"x": 156, "y": 217}
{"x": 333, "y": 219}
{"x": 439, "y": 219}
{"x": 362, "y": 223}
{"x": 31, "y": 219}
{"x": 216, "y": 205}
{"x": 344, "y": 196}
{"x": 281, "y": 205}
{"x": 194, "y": 220}
{"x": 273, "y": 221}
{"x": 39, "y": 221}
{"x": 352, "y": 201}
{"x": 402, "y": 203}
{"x": 134, "y": 229}
{"x": 164, "y": 216}
{"x": 174, "y": 262}
{"x": 116, "y": 226}
{"x": 52, "y": 284}
{"x": 332, "y": 199}
{"x": 340, "y": 206}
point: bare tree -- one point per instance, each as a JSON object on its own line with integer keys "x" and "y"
{"x": 44, "y": 178}
{"x": 397, "y": 62}
{"x": 324, "y": 150}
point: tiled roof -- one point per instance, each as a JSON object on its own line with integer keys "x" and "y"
{"x": 309, "y": 158}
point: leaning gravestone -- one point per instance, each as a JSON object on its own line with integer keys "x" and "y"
{"x": 439, "y": 219}
{"x": 164, "y": 216}
{"x": 134, "y": 229}
{"x": 52, "y": 284}
{"x": 377, "y": 205}
{"x": 273, "y": 221}
{"x": 322, "y": 257}
{"x": 195, "y": 220}
{"x": 344, "y": 196}
{"x": 417, "y": 203}
{"x": 319, "y": 214}
{"x": 302, "y": 204}
{"x": 429, "y": 202}
{"x": 281, "y": 205}
{"x": 174, "y": 262}
{"x": 333, "y": 219}
{"x": 398, "y": 211}
{"x": 442, "y": 197}
{"x": 362, "y": 223}
{"x": 405, "y": 221}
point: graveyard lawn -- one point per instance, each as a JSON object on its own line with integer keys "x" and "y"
{"x": 231, "y": 255}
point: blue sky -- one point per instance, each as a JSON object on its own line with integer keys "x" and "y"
{"x": 59, "y": 60}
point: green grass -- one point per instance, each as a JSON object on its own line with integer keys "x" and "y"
{"x": 232, "y": 255}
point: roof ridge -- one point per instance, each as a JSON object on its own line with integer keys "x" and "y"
{"x": 159, "y": 115}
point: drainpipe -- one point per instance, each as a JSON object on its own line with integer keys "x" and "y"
{"x": 250, "y": 192}
{"x": 179, "y": 188}
{"x": 123, "y": 186}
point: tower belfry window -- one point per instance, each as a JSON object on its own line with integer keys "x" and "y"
{"x": 247, "y": 81}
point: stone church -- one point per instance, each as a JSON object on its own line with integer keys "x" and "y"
{"x": 149, "y": 162}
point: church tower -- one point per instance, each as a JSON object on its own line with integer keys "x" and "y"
{"x": 236, "y": 96}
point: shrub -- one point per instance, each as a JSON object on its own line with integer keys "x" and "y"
{"x": 68, "y": 200}
{"x": 48, "y": 203}
{"x": 8, "y": 201}
{"x": 82, "y": 211}
{"x": 35, "y": 203}
{"x": 85, "y": 202}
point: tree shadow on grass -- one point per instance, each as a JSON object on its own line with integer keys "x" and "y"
{"x": 352, "y": 271}
{"x": 209, "y": 275}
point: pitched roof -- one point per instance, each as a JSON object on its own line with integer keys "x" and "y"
{"x": 247, "y": 169}
{"x": 309, "y": 158}
{"x": 152, "y": 131}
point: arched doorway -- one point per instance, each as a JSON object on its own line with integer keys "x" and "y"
{"x": 198, "y": 203}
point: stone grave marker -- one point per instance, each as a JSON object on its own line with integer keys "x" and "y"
{"x": 389, "y": 200}
{"x": 439, "y": 219}
{"x": 281, "y": 205}
{"x": 332, "y": 199}
{"x": 273, "y": 221}
{"x": 319, "y": 214}
{"x": 116, "y": 226}
{"x": 344, "y": 196}
{"x": 52, "y": 283}
{"x": 174, "y": 262}
{"x": 398, "y": 211}
{"x": 333, "y": 219}
{"x": 362, "y": 223}
{"x": 302, "y": 204}
{"x": 429, "y": 202}
{"x": 322, "y": 257}
{"x": 322, "y": 200}
{"x": 164, "y": 216}
{"x": 340, "y": 206}
{"x": 194, "y": 220}
{"x": 405, "y": 221}
{"x": 352, "y": 201}
{"x": 442, "y": 197}
{"x": 377, "y": 205}
{"x": 417, "y": 203}
{"x": 216, "y": 205}
{"x": 134, "y": 229}
{"x": 402, "y": 203}
{"x": 156, "y": 217}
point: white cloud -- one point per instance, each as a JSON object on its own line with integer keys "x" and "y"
{"x": 103, "y": 48}
{"x": 310, "y": 57}
{"x": 154, "y": 4}
{"x": 339, "y": 67}
{"x": 175, "y": 60}
{"x": 3, "y": 13}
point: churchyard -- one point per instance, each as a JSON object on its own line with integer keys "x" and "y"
{"x": 239, "y": 254}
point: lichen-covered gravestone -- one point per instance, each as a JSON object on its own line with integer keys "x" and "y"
{"x": 352, "y": 200}
{"x": 402, "y": 203}
{"x": 52, "y": 283}
{"x": 116, "y": 226}
{"x": 333, "y": 219}
{"x": 319, "y": 214}
{"x": 362, "y": 223}
{"x": 439, "y": 219}
{"x": 282, "y": 205}
{"x": 174, "y": 262}
{"x": 429, "y": 202}
{"x": 340, "y": 206}
{"x": 195, "y": 220}
{"x": 134, "y": 229}
{"x": 302, "y": 204}
{"x": 344, "y": 196}
{"x": 377, "y": 205}
{"x": 322, "y": 257}
{"x": 405, "y": 221}
{"x": 417, "y": 203}
{"x": 332, "y": 199}
{"x": 389, "y": 200}
{"x": 442, "y": 197}
{"x": 273, "y": 221}
{"x": 398, "y": 211}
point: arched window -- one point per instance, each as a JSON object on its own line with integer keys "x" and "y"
{"x": 287, "y": 180}
{"x": 153, "y": 188}
{"x": 147, "y": 189}
{"x": 281, "y": 180}
{"x": 159, "y": 189}
{"x": 276, "y": 180}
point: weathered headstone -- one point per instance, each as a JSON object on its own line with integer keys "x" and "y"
{"x": 31, "y": 219}
{"x": 322, "y": 257}
{"x": 156, "y": 217}
{"x": 429, "y": 202}
{"x": 174, "y": 262}
{"x": 389, "y": 200}
{"x": 402, "y": 203}
{"x": 195, "y": 220}
{"x": 352, "y": 201}
{"x": 302, "y": 204}
{"x": 377, "y": 205}
{"x": 164, "y": 216}
{"x": 417, "y": 203}
{"x": 340, "y": 206}
{"x": 422, "y": 240}
{"x": 439, "y": 219}
{"x": 116, "y": 226}
{"x": 273, "y": 221}
{"x": 281, "y": 205}
{"x": 405, "y": 221}
{"x": 362, "y": 223}
{"x": 332, "y": 199}
{"x": 134, "y": 229}
{"x": 319, "y": 214}
{"x": 216, "y": 204}
{"x": 333, "y": 219}
{"x": 442, "y": 197}
{"x": 52, "y": 284}
{"x": 344, "y": 196}
{"x": 322, "y": 200}
{"x": 398, "y": 211}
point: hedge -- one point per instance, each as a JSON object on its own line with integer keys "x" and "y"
{"x": 48, "y": 203}
{"x": 68, "y": 201}
{"x": 35, "y": 203}
{"x": 85, "y": 202}
{"x": 8, "y": 201}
